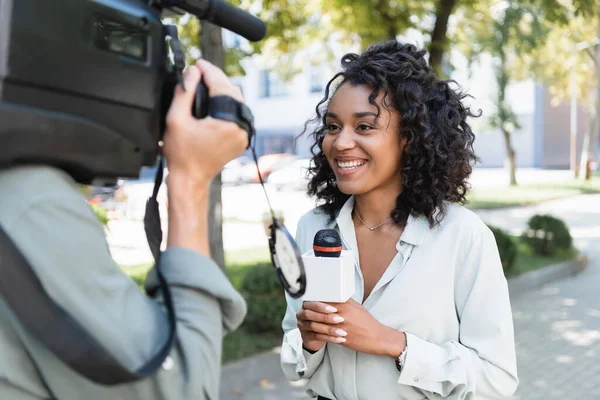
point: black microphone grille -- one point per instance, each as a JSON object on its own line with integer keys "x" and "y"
{"x": 327, "y": 243}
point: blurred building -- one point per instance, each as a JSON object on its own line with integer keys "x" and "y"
{"x": 282, "y": 108}
{"x": 542, "y": 141}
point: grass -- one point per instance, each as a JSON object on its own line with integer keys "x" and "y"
{"x": 530, "y": 194}
{"x": 241, "y": 343}
{"x": 239, "y": 261}
{"x": 527, "y": 260}
{"x": 138, "y": 273}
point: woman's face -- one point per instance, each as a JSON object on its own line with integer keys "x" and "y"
{"x": 364, "y": 152}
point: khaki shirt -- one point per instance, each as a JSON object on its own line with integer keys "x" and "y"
{"x": 43, "y": 212}
{"x": 446, "y": 290}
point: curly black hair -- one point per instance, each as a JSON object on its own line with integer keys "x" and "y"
{"x": 439, "y": 151}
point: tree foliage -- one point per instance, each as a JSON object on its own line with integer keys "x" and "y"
{"x": 564, "y": 43}
{"x": 189, "y": 29}
{"x": 517, "y": 34}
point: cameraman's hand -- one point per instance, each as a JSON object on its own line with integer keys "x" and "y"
{"x": 198, "y": 149}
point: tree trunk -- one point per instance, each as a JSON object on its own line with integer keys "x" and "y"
{"x": 439, "y": 39}
{"x": 587, "y": 152}
{"x": 587, "y": 147}
{"x": 510, "y": 163}
{"x": 392, "y": 34}
{"x": 211, "y": 44}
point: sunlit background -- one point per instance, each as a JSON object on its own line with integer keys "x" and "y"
{"x": 531, "y": 67}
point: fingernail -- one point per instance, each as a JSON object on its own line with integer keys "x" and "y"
{"x": 330, "y": 309}
{"x": 340, "y": 340}
{"x": 341, "y": 332}
{"x": 337, "y": 318}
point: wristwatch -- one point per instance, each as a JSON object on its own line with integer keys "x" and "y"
{"x": 401, "y": 360}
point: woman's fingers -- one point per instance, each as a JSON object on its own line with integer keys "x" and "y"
{"x": 326, "y": 338}
{"x": 319, "y": 307}
{"x": 317, "y": 327}
{"x": 310, "y": 315}
{"x": 317, "y": 322}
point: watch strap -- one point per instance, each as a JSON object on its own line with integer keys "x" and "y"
{"x": 401, "y": 360}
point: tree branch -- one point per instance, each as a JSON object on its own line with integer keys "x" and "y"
{"x": 592, "y": 56}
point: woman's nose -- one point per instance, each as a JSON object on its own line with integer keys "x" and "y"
{"x": 344, "y": 140}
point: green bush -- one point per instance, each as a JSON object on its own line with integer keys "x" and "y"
{"x": 101, "y": 213}
{"x": 506, "y": 247}
{"x": 266, "y": 300}
{"x": 547, "y": 234}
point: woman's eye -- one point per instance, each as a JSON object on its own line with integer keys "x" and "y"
{"x": 364, "y": 127}
{"x": 331, "y": 127}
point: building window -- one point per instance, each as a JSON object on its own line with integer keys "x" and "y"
{"x": 317, "y": 80}
{"x": 271, "y": 85}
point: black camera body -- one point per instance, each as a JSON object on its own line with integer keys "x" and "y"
{"x": 85, "y": 84}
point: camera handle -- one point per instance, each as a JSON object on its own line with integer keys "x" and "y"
{"x": 200, "y": 106}
{"x": 223, "y": 107}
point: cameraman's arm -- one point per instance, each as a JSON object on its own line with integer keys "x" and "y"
{"x": 65, "y": 244}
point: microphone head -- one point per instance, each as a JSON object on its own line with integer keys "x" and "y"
{"x": 327, "y": 243}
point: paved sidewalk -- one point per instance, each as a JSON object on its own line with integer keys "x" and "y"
{"x": 557, "y": 327}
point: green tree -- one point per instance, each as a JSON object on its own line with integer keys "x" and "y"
{"x": 294, "y": 25}
{"x": 574, "y": 42}
{"x": 372, "y": 21}
{"x": 507, "y": 30}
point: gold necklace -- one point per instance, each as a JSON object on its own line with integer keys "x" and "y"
{"x": 365, "y": 224}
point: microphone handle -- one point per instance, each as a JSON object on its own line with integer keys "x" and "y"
{"x": 238, "y": 21}
{"x": 227, "y": 16}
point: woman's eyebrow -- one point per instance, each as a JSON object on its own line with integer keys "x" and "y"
{"x": 356, "y": 115}
{"x": 365, "y": 114}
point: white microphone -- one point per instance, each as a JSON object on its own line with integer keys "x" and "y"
{"x": 329, "y": 269}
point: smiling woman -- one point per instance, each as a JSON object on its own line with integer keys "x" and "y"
{"x": 430, "y": 316}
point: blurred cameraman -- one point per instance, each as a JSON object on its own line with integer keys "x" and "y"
{"x": 43, "y": 212}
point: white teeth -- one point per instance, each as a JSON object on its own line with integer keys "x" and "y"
{"x": 350, "y": 164}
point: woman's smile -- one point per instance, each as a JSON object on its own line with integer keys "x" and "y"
{"x": 347, "y": 166}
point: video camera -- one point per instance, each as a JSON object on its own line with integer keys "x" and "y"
{"x": 85, "y": 84}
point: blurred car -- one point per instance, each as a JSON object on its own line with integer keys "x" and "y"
{"x": 292, "y": 177}
{"x": 103, "y": 194}
{"x": 267, "y": 164}
{"x": 133, "y": 193}
{"x": 233, "y": 172}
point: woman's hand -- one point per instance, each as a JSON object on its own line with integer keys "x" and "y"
{"x": 317, "y": 323}
{"x": 365, "y": 334}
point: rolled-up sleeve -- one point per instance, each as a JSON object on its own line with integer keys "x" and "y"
{"x": 65, "y": 244}
{"x": 180, "y": 269}
{"x": 482, "y": 364}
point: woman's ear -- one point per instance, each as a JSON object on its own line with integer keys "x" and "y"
{"x": 403, "y": 144}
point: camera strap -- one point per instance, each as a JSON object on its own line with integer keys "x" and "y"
{"x": 229, "y": 109}
{"x": 62, "y": 334}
